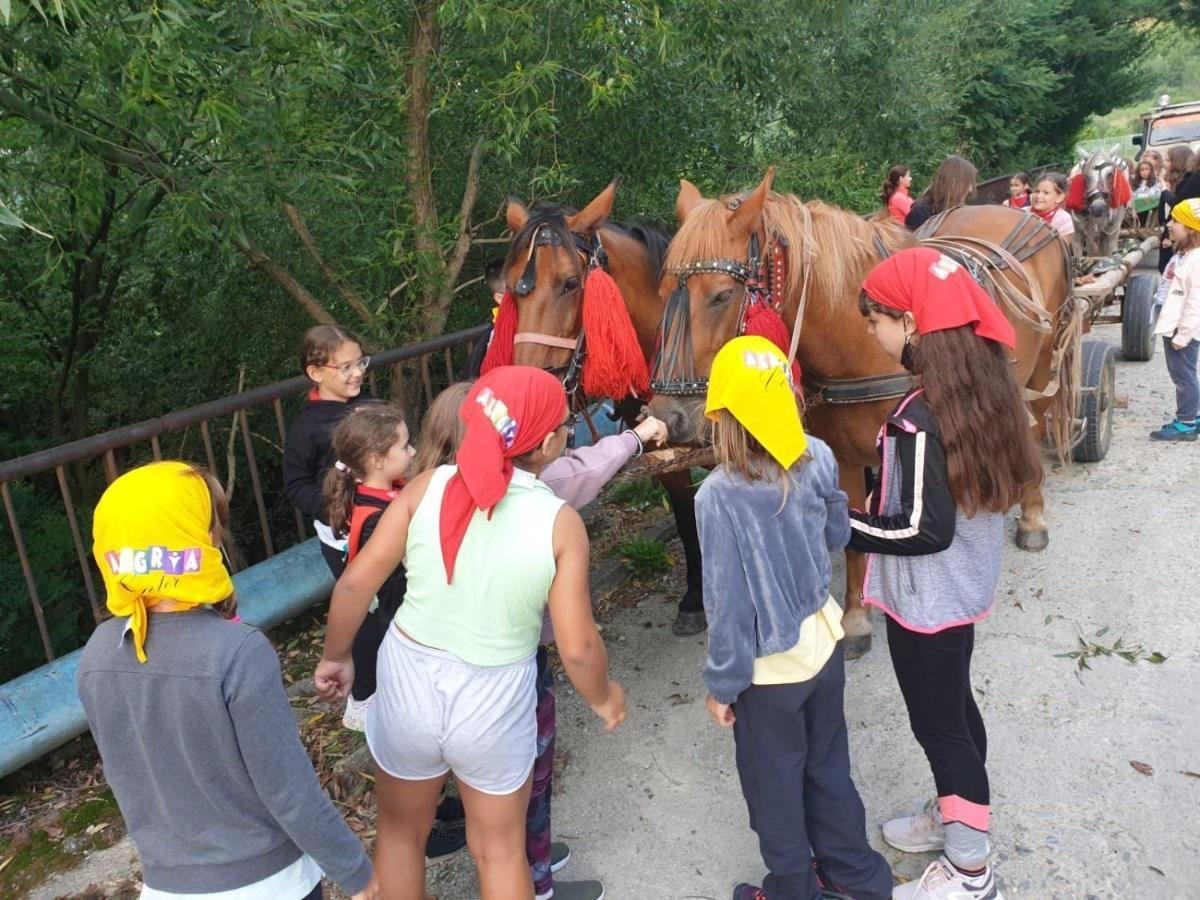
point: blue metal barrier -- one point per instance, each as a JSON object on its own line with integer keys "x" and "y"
{"x": 40, "y": 710}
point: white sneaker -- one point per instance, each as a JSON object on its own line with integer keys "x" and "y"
{"x": 919, "y": 833}
{"x": 942, "y": 881}
{"x": 355, "y": 715}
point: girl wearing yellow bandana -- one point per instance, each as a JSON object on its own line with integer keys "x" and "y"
{"x": 198, "y": 741}
{"x": 769, "y": 516}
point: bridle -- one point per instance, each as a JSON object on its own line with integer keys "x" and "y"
{"x": 762, "y": 279}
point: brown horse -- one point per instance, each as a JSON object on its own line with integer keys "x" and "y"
{"x": 546, "y": 272}
{"x": 850, "y": 384}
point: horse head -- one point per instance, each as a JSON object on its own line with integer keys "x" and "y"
{"x": 1100, "y": 171}
{"x": 712, "y": 261}
{"x": 581, "y": 299}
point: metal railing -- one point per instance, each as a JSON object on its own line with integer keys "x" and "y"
{"x": 417, "y": 372}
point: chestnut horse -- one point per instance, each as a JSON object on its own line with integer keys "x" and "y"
{"x": 546, "y": 273}
{"x": 850, "y": 384}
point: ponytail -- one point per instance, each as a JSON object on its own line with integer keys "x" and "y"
{"x": 892, "y": 183}
{"x": 367, "y": 430}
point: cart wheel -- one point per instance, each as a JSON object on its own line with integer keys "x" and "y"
{"x": 1098, "y": 365}
{"x": 1137, "y": 317}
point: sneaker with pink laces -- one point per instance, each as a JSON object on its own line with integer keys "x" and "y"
{"x": 942, "y": 881}
{"x": 919, "y": 833}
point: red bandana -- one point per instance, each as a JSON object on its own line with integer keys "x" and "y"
{"x": 508, "y": 413}
{"x": 939, "y": 292}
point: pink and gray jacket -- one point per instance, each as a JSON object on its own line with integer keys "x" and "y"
{"x": 930, "y": 566}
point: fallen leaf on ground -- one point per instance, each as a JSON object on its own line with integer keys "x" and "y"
{"x": 1189, "y": 774}
{"x": 1142, "y": 767}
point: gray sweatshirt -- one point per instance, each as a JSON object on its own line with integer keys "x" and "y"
{"x": 766, "y": 568}
{"x": 201, "y": 749}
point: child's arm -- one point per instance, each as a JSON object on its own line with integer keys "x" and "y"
{"x": 580, "y": 648}
{"x": 1187, "y": 283}
{"x": 354, "y": 591}
{"x": 280, "y": 768}
{"x": 837, "y": 504}
{"x": 926, "y": 521}
{"x": 301, "y": 479}
{"x": 729, "y": 667}
{"x": 578, "y": 476}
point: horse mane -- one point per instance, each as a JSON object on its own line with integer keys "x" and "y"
{"x": 554, "y": 217}
{"x": 835, "y": 245}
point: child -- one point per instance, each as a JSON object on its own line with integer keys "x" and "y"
{"x": 486, "y": 546}
{"x": 576, "y": 477}
{"x": 373, "y": 455}
{"x": 197, "y": 738}
{"x": 334, "y": 363}
{"x": 1146, "y": 190}
{"x": 895, "y": 192}
{"x": 953, "y": 184}
{"x": 957, "y": 452}
{"x": 769, "y": 515}
{"x": 1018, "y": 191}
{"x": 1046, "y": 203}
{"x": 1179, "y": 322}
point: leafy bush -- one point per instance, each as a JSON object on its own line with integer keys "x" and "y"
{"x": 644, "y": 557}
{"x": 639, "y": 493}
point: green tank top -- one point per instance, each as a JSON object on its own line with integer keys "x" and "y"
{"x": 491, "y": 614}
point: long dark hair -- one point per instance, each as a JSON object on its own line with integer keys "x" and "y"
{"x": 953, "y": 183}
{"x": 991, "y": 456}
{"x": 367, "y": 430}
{"x": 891, "y": 184}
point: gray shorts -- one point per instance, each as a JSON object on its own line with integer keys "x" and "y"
{"x": 433, "y": 713}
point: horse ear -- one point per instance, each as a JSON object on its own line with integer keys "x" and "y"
{"x": 516, "y": 215}
{"x": 745, "y": 218}
{"x": 592, "y": 216}
{"x": 689, "y": 197}
{"x": 1115, "y": 151}
{"x": 1083, "y": 154}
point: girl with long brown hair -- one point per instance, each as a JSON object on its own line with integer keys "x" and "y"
{"x": 957, "y": 452}
{"x": 895, "y": 192}
{"x": 953, "y": 183}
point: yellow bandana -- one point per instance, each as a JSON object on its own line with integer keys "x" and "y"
{"x": 751, "y": 379}
{"x": 1187, "y": 212}
{"x": 152, "y": 542}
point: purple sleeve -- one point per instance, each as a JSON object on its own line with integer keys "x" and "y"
{"x": 577, "y": 476}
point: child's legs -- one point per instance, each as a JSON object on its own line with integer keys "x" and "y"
{"x": 406, "y": 811}
{"x": 496, "y": 839}
{"x": 836, "y": 821}
{"x": 772, "y": 752}
{"x": 365, "y": 652}
{"x": 974, "y": 716}
{"x": 1181, "y": 366}
{"x": 933, "y": 673}
{"x": 537, "y": 817}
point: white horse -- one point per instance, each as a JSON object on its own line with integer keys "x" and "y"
{"x": 1099, "y": 199}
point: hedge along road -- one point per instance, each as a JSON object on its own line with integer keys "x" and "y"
{"x": 657, "y": 805}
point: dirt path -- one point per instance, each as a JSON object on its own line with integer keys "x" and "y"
{"x": 655, "y": 809}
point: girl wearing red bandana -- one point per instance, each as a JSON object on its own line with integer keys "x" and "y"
{"x": 1046, "y": 202}
{"x": 957, "y": 453}
{"x": 487, "y": 547}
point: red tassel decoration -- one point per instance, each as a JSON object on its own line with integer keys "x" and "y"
{"x": 615, "y": 366}
{"x": 1076, "y": 191}
{"x": 762, "y": 321}
{"x": 1122, "y": 194}
{"x": 504, "y": 333}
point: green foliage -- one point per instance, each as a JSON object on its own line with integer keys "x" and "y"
{"x": 638, "y": 493}
{"x": 644, "y": 557}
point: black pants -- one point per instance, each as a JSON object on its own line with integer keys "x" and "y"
{"x": 934, "y": 673}
{"x": 315, "y": 894}
{"x": 793, "y": 760}
{"x": 365, "y": 650}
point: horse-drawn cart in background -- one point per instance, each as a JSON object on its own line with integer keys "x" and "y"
{"x": 1101, "y": 283}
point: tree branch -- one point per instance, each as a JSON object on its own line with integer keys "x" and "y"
{"x": 278, "y": 274}
{"x": 348, "y": 293}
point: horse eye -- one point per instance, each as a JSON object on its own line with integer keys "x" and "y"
{"x": 570, "y": 284}
{"x": 721, "y": 299}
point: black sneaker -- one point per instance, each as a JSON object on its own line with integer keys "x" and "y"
{"x": 560, "y": 855}
{"x": 444, "y": 842}
{"x": 1176, "y": 431}
{"x": 450, "y": 812}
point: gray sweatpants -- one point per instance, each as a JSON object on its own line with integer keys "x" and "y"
{"x": 1181, "y": 366}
